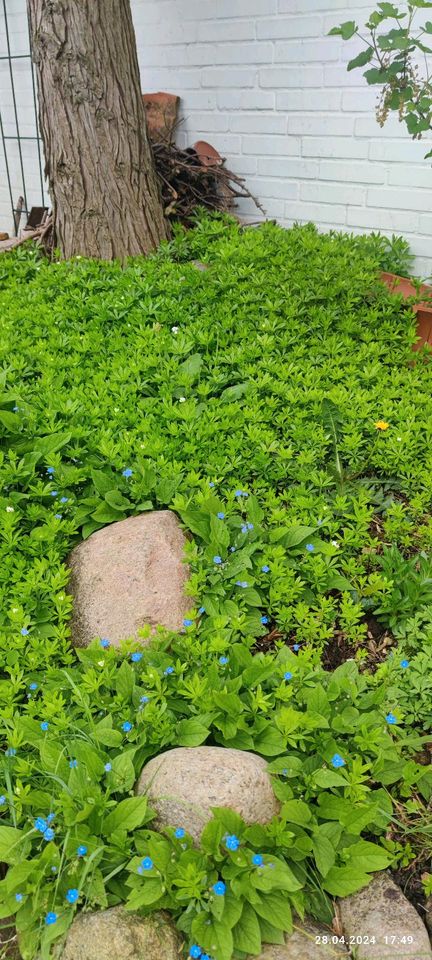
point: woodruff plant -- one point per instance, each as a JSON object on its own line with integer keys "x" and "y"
{"x": 399, "y": 64}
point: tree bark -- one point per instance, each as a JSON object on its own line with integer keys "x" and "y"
{"x": 99, "y": 164}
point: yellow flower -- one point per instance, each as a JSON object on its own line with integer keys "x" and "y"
{"x": 382, "y": 425}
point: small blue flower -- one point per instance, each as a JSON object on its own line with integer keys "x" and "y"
{"x": 144, "y": 699}
{"x": 217, "y": 559}
{"x": 337, "y": 761}
{"x": 53, "y": 869}
{"x": 127, "y": 726}
{"x": 10, "y": 752}
{"x": 187, "y": 623}
{"x": 18, "y": 897}
{"x": 40, "y": 824}
{"x": 201, "y": 610}
{"x": 105, "y": 643}
{"x": 221, "y": 515}
{"x": 24, "y": 631}
{"x": 232, "y": 842}
{"x": 223, "y": 660}
{"x": 219, "y": 888}
{"x": 241, "y": 583}
{"x": 147, "y": 863}
{"x": 81, "y": 850}
{"x": 128, "y": 472}
{"x": 195, "y": 952}
{"x": 232, "y": 549}
{"x": 108, "y": 767}
{"x": 2, "y": 800}
{"x": 310, "y": 547}
{"x": 15, "y": 409}
{"x": 44, "y": 725}
{"x": 73, "y": 763}
{"x": 58, "y": 516}
{"x": 391, "y": 718}
{"x": 285, "y": 772}
{"x": 257, "y": 860}
{"x": 33, "y": 686}
{"x": 54, "y": 493}
{"x": 296, "y": 647}
{"x": 50, "y": 817}
{"x": 49, "y": 834}
{"x": 205, "y": 956}
{"x": 136, "y": 657}
{"x": 288, "y": 675}
{"x": 169, "y": 670}
{"x": 265, "y": 568}
{"x": 250, "y": 526}
{"x": 211, "y": 483}
{"x": 50, "y": 470}
{"x": 238, "y": 493}
{"x": 244, "y": 528}
{"x": 72, "y": 895}
{"x": 264, "y": 620}
{"x": 50, "y": 918}
{"x": 404, "y": 664}
{"x": 179, "y": 833}
{"x": 64, "y": 499}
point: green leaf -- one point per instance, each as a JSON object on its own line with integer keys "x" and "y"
{"x": 269, "y": 933}
{"x": 117, "y": 501}
{"x": 275, "y": 908}
{"x": 211, "y": 837}
{"x": 11, "y": 845}
{"x": 122, "y": 775}
{"x": 367, "y": 857}
{"x": 103, "y": 482}
{"x": 247, "y": 933}
{"x": 238, "y": 390}
{"x": 125, "y": 680}
{"x": 10, "y": 420}
{"x": 191, "y": 733}
{"x": 329, "y": 778}
{"x": 346, "y": 30}
{"x": 106, "y": 514}
{"x": 323, "y": 852}
{"x": 215, "y": 936}
{"x": 362, "y": 59}
{"x": 128, "y": 814}
{"x": 143, "y": 896}
{"x": 191, "y": 367}
{"x": 342, "y": 881}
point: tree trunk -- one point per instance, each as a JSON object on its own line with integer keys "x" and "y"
{"x": 99, "y": 165}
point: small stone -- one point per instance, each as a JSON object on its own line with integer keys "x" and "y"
{"x": 129, "y": 574}
{"x": 185, "y": 783}
{"x": 115, "y": 934}
{"x": 381, "y": 911}
{"x": 305, "y": 944}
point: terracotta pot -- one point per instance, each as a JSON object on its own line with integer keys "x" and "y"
{"x": 422, "y": 308}
{"x": 208, "y": 155}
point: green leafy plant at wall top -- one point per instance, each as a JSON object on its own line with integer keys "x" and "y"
{"x": 394, "y": 49}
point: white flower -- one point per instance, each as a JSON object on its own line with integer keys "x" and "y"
{"x": 182, "y": 399}
{"x": 116, "y": 409}
{"x": 334, "y": 543}
{"x": 101, "y": 663}
{"x": 10, "y": 510}
{"x": 175, "y": 329}
{"x": 399, "y": 438}
{"x": 14, "y": 609}
{"x": 142, "y": 445}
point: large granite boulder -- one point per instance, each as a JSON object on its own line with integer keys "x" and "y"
{"x": 129, "y": 574}
{"x": 307, "y": 942}
{"x": 382, "y": 912}
{"x": 115, "y": 934}
{"x": 184, "y": 784}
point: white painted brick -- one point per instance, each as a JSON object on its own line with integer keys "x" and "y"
{"x": 310, "y": 6}
{"x": 402, "y": 175}
{"x": 200, "y": 100}
{"x": 286, "y": 27}
{"x": 288, "y": 168}
{"x": 425, "y": 224}
{"x": 352, "y": 172}
{"x": 265, "y": 123}
{"x": 318, "y": 212}
{"x": 325, "y": 126}
{"x": 228, "y": 78}
{"x": 370, "y": 218}
{"x": 245, "y": 99}
{"x": 318, "y": 100}
{"x": 243, "y": 166}
{"x": 398, "y": 151}
{"x": 360, "y": 101}
{"x": 369, "y": 127}
{"x": 340, "y": 148}
{"x": 334, "y": 193}
{"x": 271, "y": 146}
{"x": 306, "y": 51}
{"x": 226, "y": 143}
{"x": 214, "y": 9}
{"x": 276, "y": 189}
{"x": 206, "y": 54}
{"x": 209, "y": 122}
{"x": 289, "y": 76}
{"x": 215, "y": 30}
{"x": 398, "y": 199}
{"x": 337, "y": 76}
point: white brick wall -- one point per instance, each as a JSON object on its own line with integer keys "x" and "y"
{"x": 262, "y": 81}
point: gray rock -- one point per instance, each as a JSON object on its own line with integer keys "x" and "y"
{"x": 115, "y": 934}
{"x": 382, "y": 911}
{"x": 184, "y": 784}
{"x": 303, "y": 944}
{"x": 129, "y": 574}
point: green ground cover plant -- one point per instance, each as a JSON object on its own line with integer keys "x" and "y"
{"x": 272, "y": 402}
